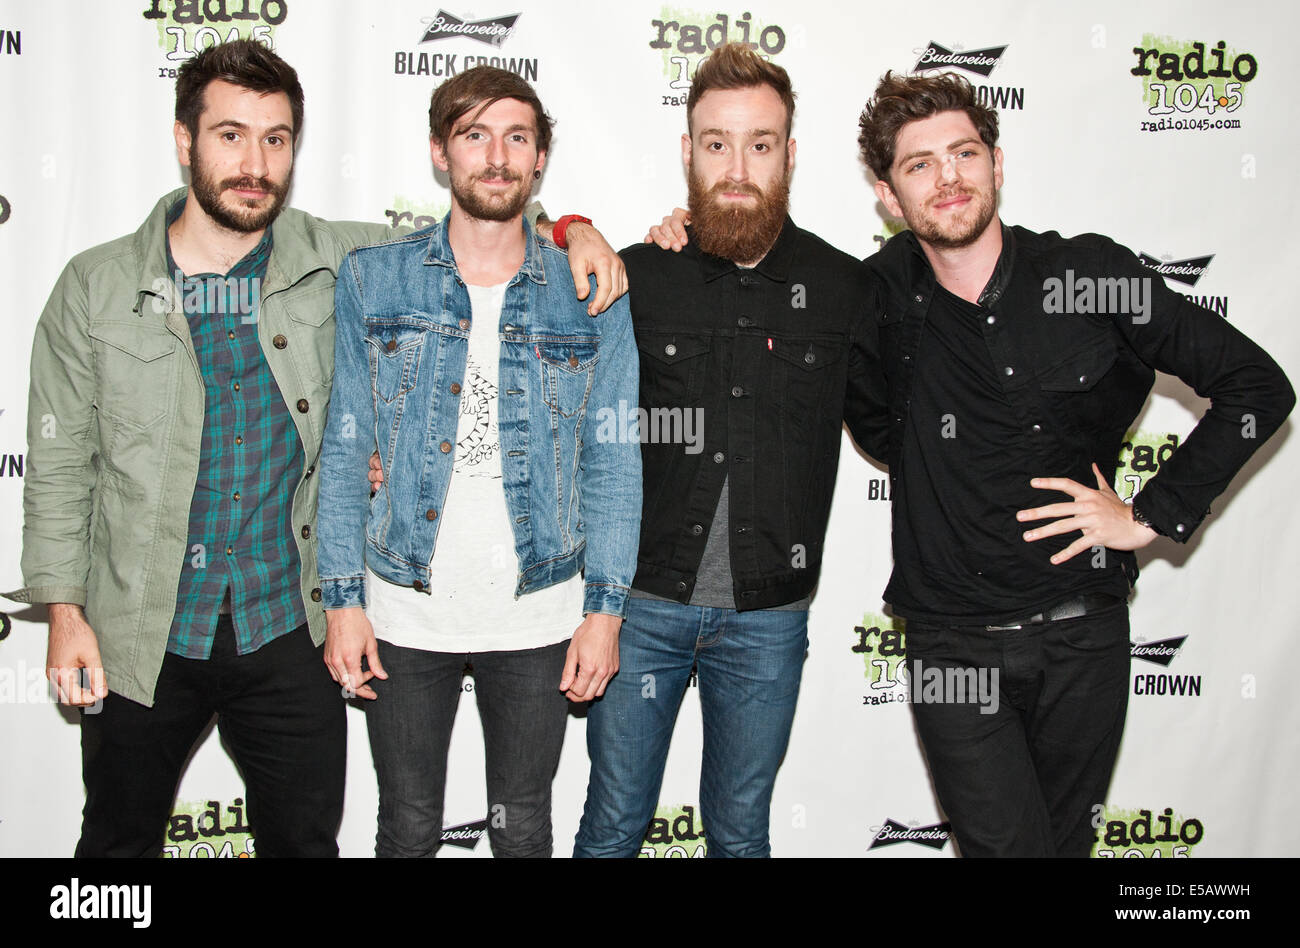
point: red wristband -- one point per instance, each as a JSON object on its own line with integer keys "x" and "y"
{"x": 561, "y": 230}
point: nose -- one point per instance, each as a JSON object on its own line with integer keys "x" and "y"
{"x": 948, "y": 173}
{"x": 496, "y": 154}
{"x": 736, "y": 168}
{"x": 254, "y": 160}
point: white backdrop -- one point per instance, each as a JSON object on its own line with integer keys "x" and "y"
{"x": 86, "y": 111}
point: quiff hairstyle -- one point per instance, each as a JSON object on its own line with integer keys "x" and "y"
{"x": 901, "y": 99}
{"x": 482, "y": 86}
{"x": 245, "y": 63}
{"x": 737, "y": 66}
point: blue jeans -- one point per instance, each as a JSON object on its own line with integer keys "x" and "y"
{"x": 749, "y": 666}
{"x": 523, "y": 713}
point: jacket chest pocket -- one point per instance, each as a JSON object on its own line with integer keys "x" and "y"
{"x": 136, "y": 369}
{"x": 673, "y": 367}
{"x": 568, "y": 371}
{"x": 803, "y": 380}
{"x": 394, "y": 352}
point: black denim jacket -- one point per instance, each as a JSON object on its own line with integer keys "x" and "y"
{"x": 774, "y": 359}
{"x": 1077, "y": 380}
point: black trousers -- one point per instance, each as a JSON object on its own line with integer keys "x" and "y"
{"x": 279, "y": 712}
{"x": 1023, "y": 779}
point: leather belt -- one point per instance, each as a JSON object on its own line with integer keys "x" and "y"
{"x": 1070, "y": 609}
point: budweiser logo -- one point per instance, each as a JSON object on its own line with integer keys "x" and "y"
{"x": 1186, "y": 271}
{"x": 933, "y": 836}
{"x": 466, "y": 835}
{"x": 980, "y": 61}
{"x": 492, "y": 31}
{"x": 1161, "y": 653}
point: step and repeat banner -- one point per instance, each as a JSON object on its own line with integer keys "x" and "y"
{"x": 1168, "y": 126}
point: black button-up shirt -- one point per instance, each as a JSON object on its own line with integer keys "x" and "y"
{"x": 772, "y": 360}
{"x": 1040, "y": 369}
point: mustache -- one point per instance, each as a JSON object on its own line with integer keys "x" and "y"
{"x": 248, "y": 183}
{"x": 502, "y": 173}
{"x": 724, "y": 187}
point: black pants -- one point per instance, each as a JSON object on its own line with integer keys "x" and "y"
{"x": 523, "y": 713}
{"x": 1024, "y": 780}
{"x": 281, "y": 715}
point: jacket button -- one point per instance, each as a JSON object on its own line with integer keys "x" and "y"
{"x": 573, "y": 362}
{"x": 455, "y": 388}
{"x": 279, "y": 341}
{"x": 744, "y": 322}
{"x": 236, "y": 495}
{"x": 230, "y": 551}
{"x": 310, "y": 471}
{"x": 1083, "y": 379}
{"x": 1179, "y": 528}
{"x": 737, "y": 391}
{"x": 445, "y": 447}
{"x": 719, "y": 458}
{"x": 430, "y": 514}
{"x": 1009, "y": 371}
{"x": 417, "y": 586}
{"x": 306, "y": 531}
{"x": 303, "y": 406}
{"x": 463, "y": 324}
{"x": 681, "y": 587}
{"x": 1036, "y": 429}
{"x": 697, "y": 529}
{"x": 391, "y": 345}
{"x": 315, "y": 594}
{"x": 670, "y": 350}
{"x": 918, "y": 297}
{"x": 239, "y": 439}
{"x": 991, "y": 320}
{"x": 809, "y": 358}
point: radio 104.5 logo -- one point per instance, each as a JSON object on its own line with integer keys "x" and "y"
{"x": 1192, "y": 85}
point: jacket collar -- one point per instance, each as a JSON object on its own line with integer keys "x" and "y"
{"x": 292, "y": 254}
{"x": 998, "y": 279}
{"x": 775, "y": 265}
{"x": 439, "y": 253}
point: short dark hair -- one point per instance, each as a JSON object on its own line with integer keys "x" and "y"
{"x": 481, "y": 87}
{"x": 900, "y": 99}
{"x": 736, "y": 66}
{"x": 245, "y": 63}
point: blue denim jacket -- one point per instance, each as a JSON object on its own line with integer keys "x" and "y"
{"x": 402, "y": 333}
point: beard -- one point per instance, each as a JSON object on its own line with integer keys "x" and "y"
{"x": 497, "y": 206}
{"x": 245, "y": 216}
{"x": 731, "y": 230}
{"x": 957, "y": 233}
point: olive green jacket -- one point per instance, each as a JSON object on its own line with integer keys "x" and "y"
{"x": 115, "y": 418}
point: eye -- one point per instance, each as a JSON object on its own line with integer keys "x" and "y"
{"x": 714, "y": 146}
{"x": 917, "y": 167}
{"x": 230, "y": 136}
{"x": 761, "y": 147}
{"x": 519, "y": 137}
{"x": 274, "y": 140}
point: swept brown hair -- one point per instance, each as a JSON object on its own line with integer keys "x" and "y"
{"x": 900, "y": 99}
{"x": 737, "y": 66}
{"x": 245, "y": 63}
{"x": 482, "y": 86}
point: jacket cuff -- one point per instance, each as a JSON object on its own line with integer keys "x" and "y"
{"x": 343, "y": 593}
{"x": 76, "y": 595}
{"x": 1165, "y": 513}
{"x": 606, "y": 598}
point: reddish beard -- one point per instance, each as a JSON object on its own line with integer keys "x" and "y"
{"x": 733, "y": 230}
{"x": 509, "y": 204}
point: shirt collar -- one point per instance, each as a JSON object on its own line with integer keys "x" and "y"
{"x": 998, "y": 279}
{"x": 775, "y": 264}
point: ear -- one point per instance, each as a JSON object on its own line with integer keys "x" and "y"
{"x": 997, "y": 168}
{"x": 541, "y": 161}
{"x": 686, "y": 152}
{"x": 789, "y": 156}
{"x": 888, "y": 198}
{"x": 438, "y": 154}
{"x": 183, "y": 143}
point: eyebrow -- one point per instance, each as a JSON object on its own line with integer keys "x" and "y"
{"x": 244, "y": 127}
{"x": 753, "y": 132}
{"x": 517, "y": 127}
{"x": 925, "y": 154}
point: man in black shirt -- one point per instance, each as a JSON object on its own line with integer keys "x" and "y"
{"x": 755, "y": 348}
{"x": 1009, "y": 355}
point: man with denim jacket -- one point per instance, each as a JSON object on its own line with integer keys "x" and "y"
{"x": 178, "y": 390}
{"x": 511, "y": 493}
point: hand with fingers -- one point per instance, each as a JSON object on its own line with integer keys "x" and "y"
{"x": 348, "y": 636}
{"x": 592, "y": 659}
{"x": 1102, "y": 518}
{"x": 671, "y": 232}
{"x": 589, "y": 252}
{"x": 72, "y": 648}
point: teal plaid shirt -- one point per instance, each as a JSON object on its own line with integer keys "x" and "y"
{"x": 241, "y": 526}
